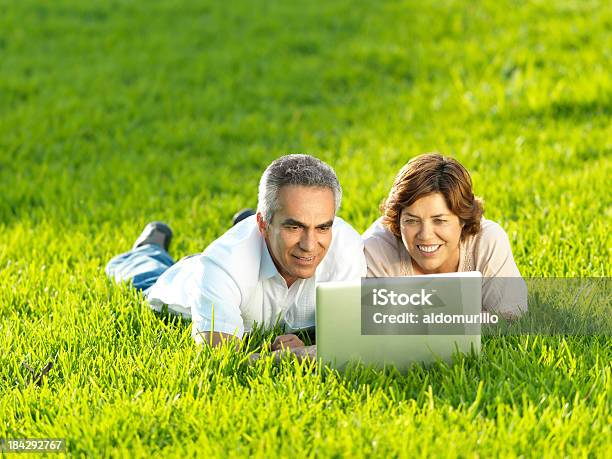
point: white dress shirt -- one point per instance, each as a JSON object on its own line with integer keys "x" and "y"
{"x": 234, "y": 283}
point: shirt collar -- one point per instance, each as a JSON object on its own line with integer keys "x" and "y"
{"x": 267, "y": 268}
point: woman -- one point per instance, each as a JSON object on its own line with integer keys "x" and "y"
{"x": 432, "y": 223}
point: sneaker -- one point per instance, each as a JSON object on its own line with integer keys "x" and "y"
{"x": 241, "y": 215}
{"x": 155, "y": 233}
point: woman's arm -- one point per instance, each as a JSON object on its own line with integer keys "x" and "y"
{"x": 503, "y": 291}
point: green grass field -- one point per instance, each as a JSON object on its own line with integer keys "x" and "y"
{"x": 116, "y": 113}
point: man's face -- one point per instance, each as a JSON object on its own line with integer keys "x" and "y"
{"x": 300, "y": 231}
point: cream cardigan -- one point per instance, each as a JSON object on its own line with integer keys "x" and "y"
{"x": 503, "y": 288}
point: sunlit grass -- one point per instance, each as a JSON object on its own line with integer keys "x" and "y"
{"x": 114, "y": 114}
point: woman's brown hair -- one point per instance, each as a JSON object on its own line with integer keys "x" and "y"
{"x": 434, "y": 173}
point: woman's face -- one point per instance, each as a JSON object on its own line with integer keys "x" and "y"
{"x": 431, "y": 234}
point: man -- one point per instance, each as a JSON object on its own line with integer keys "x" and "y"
{"x": 261, "y": 270}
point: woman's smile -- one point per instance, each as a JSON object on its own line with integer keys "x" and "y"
{"x": 431, "y": 234}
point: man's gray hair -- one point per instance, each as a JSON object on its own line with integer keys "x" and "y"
{"x": 301, "y": 170}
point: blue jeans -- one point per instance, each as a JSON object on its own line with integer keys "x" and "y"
{"x": 142, "y": 265}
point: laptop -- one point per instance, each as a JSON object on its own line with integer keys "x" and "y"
{"x": 360, "y": 322}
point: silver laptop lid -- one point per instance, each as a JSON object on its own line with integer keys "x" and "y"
{"x": 398, "y": 321}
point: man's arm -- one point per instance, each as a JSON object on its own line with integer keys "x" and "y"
{"x": 216, "y": 339}
{"x": 281, "y": 343}
{"x": 215, "y": 300}
{"x": 203, "y": 290}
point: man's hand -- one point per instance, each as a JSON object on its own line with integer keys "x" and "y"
{"x": 305, "y": 353}
{"x": 300, "y": 353}
{"x": 286, "y": 342}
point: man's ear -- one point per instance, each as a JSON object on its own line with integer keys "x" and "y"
{"x": 261, "y": 224}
